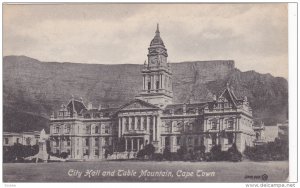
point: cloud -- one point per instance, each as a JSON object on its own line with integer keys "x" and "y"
{"x": 254, "y": 35}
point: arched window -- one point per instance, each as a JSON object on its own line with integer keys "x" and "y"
{"x": 149, "y": 86}
{"x": 230, "y": 123}
{"x": 145, "y": 123}
{"x": 132, "y": 123}
{"x": 214, "y": 125}
{"x": 96, "y": 129}
{"x": 126, "y": 123}
{"x": 139, "y": 123}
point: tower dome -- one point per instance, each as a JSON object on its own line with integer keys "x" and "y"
{"x": 157, "y": 40}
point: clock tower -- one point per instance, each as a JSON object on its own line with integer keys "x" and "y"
{"x": 157, "y": 74}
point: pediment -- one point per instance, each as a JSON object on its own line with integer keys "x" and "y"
{"x": 138, "y": 104}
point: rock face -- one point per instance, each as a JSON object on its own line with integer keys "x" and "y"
{"x": 33, "y": 89}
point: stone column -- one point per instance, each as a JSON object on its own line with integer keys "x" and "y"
{"x": 126, "y": 144}
{"x": 148, "y": 122}
{"x": 129, "y": 122}
{"x": 138, "y": 144}
{"x": 154, "y": 128}
{"x": 135, "y": 122}
{"x": 123, "y": 125}
{"x": 119, "y": 125}
{"x": 131, "y": 144}
{"x": 143, "y": 82}
{"x": 100, "y": 148}
{"x": 142, "y": 122}
{"x": 161, "y": 78}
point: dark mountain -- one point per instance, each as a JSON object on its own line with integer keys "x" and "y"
{"x": 33, "y": 89}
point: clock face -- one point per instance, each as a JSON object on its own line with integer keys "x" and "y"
{"x": 153, "y": 60}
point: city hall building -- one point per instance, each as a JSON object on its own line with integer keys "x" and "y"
{"x": 85, "y": 132}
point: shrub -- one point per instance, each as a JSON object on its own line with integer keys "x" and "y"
{"x": 63, "y": 155}
{"x": 141, "y": 153}
{"x": 157, "y": 157}
{"x": 277, "y": 150}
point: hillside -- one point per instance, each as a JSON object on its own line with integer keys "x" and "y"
{"x": 32, "y": 89}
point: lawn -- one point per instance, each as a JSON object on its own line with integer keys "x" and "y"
{"x": 139, "y": 171}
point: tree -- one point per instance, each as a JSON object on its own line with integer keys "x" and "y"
{"x": 181, "y": 152}
{"x": 149, "y": 150}
{"x": 167, "y": 154}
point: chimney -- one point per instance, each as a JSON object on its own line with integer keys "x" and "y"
{"x": 214, "y": 97}
{"x": 90, "y": 106}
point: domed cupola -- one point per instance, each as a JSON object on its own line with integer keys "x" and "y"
{"x": 156, "y": 41}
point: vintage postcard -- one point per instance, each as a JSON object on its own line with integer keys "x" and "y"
{"x": 137, "y": 92}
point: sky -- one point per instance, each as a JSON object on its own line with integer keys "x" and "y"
{"x": 255, "y": 36}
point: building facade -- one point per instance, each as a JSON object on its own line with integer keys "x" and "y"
{"x": 85, "y": 132}
{"x": 24, "y": 138}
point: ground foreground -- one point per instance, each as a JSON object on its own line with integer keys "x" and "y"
{"x": 138, "y": 171}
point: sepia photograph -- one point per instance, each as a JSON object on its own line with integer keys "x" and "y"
{"x": 145, "y": 92}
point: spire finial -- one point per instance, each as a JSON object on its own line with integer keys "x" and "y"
{"x": 157, "y": 29}
{"x": 227, "y": 85}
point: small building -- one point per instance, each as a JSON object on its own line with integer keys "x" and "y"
{"x": 24, "y": 138}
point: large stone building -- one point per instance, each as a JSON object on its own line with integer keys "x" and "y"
{"x": 86, "y": 132}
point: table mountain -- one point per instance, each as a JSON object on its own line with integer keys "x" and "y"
{"x": 33, "y": 89}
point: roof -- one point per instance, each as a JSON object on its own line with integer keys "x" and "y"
{"x": 188, "y": 105}
{"x": 157, "y": 39}
{"x": 178, "y": 108}
{"x": 141, "y": 102}
{"x": 75, "y": 105}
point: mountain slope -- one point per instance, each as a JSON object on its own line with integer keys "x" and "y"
{"x": 36, "y": 88}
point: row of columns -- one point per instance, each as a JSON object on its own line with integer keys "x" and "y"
{"x": 138, "y": 143}
{"x": 153, "y": 79}
{"x": 122, "y": 125}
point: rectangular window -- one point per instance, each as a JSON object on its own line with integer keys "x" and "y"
{"x": 56, "y": 130}
{"x": 126, "y": 124}
{"x": 67, "y": 130}
{"x": 178, "y": 140}
{"x": 56, "y": 142}
{"x": 190, "y": 141}
{"x": 87, "y": 142}
{"x": 106, "y": 141}
{"x": 167, "y": 141}
{"x": 139, "y": 123}
{"x": 106, "y": 130}
{"x": 96, "y": 142}
{"x": 96, "y": 129}
{"x": 214, "y": 125}
{"x": 214, "y": 140}
{"x": 18, "y": 140}
{"x": 196, "y": 141}
{"x": 230, "y": 124}
{"x": 191, "y": 127}
{"x": 87, "y": 130}
{"x": 6, "y": 140}
{"x": 85, "y": 152}
{"x": 96, "y": 152}
{"x": 68, "y": 142}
